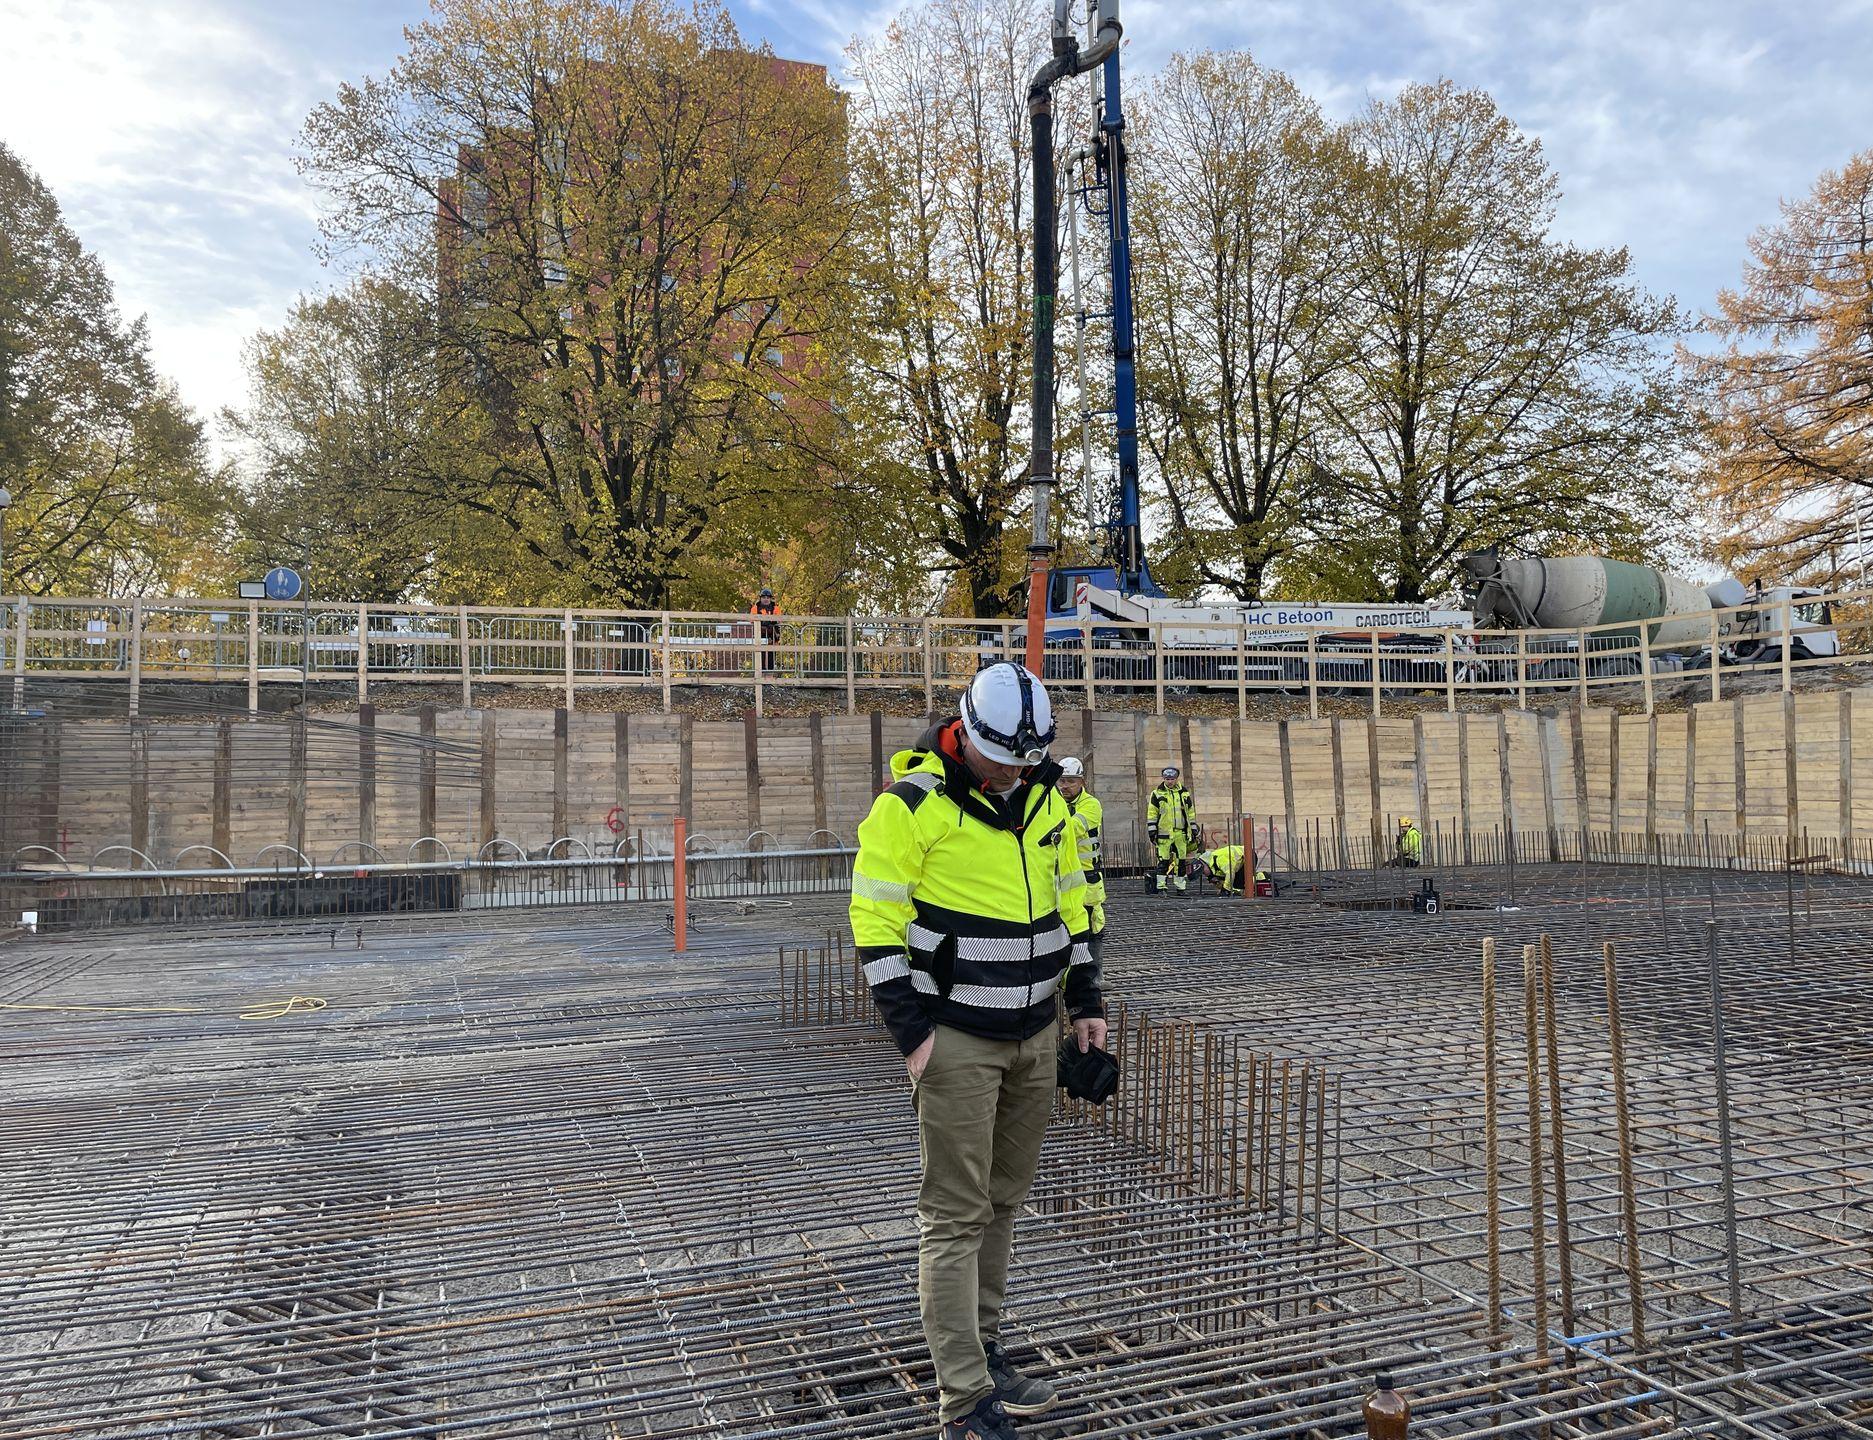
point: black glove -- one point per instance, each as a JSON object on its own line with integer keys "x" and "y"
{"x": 1086, "y": 1075}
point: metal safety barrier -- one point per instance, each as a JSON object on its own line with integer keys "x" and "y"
{"x": 264, "y": 642}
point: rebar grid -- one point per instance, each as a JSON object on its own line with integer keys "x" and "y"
{"x": 528, "y": 1175}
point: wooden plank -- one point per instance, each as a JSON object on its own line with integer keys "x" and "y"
{"x": 751, "y": 767}
{"x": 816, "y": 733}
{"x": 1690, "y": 766}
{"x": 1505, "y": 777}
{"x": 621, "y": 769}
{"x": 1377, "y": 817}
{"x": 51, "y": 743}
{"x": 296, "y": 785}
{"x": 686, "y": 761}
{"x": 1236, "y": 806}
{"x": 1464, "y": 821}
{"x": 1138, "y": 756}
{"x": 426, "y": 774}
{"x": 367, "y": 765}
{"x": 1183, "y": 750}
{"x": 140, "y": 784}
{"x": 1287, "y": 782}
{"x": 1543, "y": 724}
{"x": 1846, "y": 766}
{"x": 1651, "y": 775}
{"x": 1791, "y": 776}
{"x": 1740, "y": 760}
{"x": 1583, "y": 815}
{"x": 1087, "y": 756}
{"x": 561, "y": 742}
{"x": 1339, "y": 795}
{"x": 1421, "y": 808}
{"x": 490, "y": 757}
{"x": 1613, "y": 771}
{"x": 221, "y": 829}
{"x": 878, "y": 773}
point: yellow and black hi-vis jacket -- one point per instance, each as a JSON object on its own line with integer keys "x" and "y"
{"x": 1091, "y": 815}
{"x": 1171, "y": 808}
{"x": 969, "y": 910}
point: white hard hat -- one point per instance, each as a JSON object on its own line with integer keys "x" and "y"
{"x": 1007, "y": 714}
{"x": 1071, "y": 769}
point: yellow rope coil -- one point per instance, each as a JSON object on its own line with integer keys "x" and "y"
{"x": 263, "y": 1010}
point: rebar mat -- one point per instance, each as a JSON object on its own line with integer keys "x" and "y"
{"x": 530, "y": 1175}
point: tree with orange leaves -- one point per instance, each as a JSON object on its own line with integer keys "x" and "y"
{"x": 1789, "y": 399}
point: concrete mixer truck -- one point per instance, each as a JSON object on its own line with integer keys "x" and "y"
{"x": 1575, "y": 591}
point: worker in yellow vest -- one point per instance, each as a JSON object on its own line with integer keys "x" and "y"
{"x": 1089, "y": 817}
{"x": 1223, "y": 865}
{"x": 1171, "y": 825}
{"x": 1409, "y": 850}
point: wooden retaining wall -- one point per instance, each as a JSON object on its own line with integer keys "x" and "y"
{"x": 1769, "y": 765}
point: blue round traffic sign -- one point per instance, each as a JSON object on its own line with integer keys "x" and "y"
{"x": 282, "y": 584}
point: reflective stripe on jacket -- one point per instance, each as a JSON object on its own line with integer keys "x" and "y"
{"x": 969, "y": 910}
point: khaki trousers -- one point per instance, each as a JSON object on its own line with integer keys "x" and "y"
{"x": 982, "y": 1108}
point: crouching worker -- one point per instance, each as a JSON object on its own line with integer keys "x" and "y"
{"x": 1224, "y": 865}
{"x": 969, "y": 913}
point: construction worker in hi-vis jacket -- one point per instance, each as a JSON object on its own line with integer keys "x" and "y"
{"x": 969, "y": 913}
{"x": 1089, "y": 815}
{"x": 1171, "y": 824}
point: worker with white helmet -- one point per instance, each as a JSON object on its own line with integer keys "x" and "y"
{"x": 969, "y": 913}
{"x": 1171, "y": 826}
{"x": 1089, "y": 815}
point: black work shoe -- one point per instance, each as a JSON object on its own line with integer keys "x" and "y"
{"x": 1019, "y": 1394}
{"x": 988, "y": 1421}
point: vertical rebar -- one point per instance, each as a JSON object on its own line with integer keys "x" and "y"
{"x": 1300, "y": 1152}
{"x": 1491, "y": 1193}
{"x": 1537, "y": 1200}
{"x": 1726, "y": 1156}
{"x": 1557, "y": 1136}
{"x": 1320, "y": 1147}
{"x": 1788, "y": 867}
{"x": 1281, "y": 1146}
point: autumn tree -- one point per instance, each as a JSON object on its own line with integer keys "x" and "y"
{"x": 944, "y": 263}
{"x": 1501, "y": 386}
{"x": 1238, "y": 308}
{"x": 346, "y": 422}
{"x": 630, "y": 223}
{"x": 1789, "y": 397}
{"x": 112, "y": 488}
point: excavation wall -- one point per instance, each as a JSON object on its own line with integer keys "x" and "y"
{"x": 1772, "y": 765}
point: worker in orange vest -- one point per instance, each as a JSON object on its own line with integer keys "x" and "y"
{"x": 765, "y": 604}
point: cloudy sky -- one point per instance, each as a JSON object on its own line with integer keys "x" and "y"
{"x": 167, "y": 127}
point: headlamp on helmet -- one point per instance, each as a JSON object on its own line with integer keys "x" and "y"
{"x": 1008, "y": 715}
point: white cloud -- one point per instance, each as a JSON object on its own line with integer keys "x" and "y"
{"x": 166, "y": 131}
{"x": 166, "y": 127}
